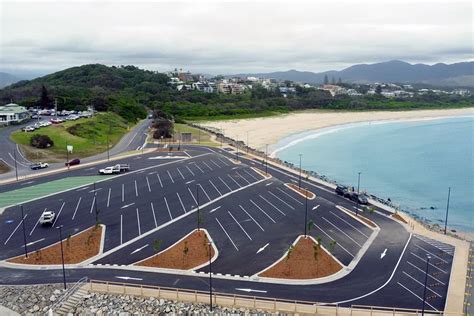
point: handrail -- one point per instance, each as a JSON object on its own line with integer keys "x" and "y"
{"x": 66, "y": 295}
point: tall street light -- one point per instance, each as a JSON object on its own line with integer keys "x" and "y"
{"x": 62, "y": 253}
{"x": 447, "y": 211}
{"x": 426, "y": 280}
{"x": 24, "y": 232}
{"x": 16, "y": 167}
{"x": 237, "y": 145}
{"x": 306, "y": 214}
{"x": 248, "y": 142}
{"x": 266, "y": 159}
{"x": 299, "y": 180}
{"x": 198, "y": 211}
{"x": 358, "y": 182}
{"x": 210, "y": 273}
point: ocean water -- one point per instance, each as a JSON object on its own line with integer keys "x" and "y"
{"x": 411, "y": 162}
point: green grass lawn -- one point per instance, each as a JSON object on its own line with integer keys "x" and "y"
{"x": 88, "y": 136}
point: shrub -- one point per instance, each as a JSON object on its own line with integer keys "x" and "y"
{"x": 41, "y": 141}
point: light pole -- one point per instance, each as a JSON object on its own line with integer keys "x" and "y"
{"x": 108, "y": 154}
{"x": 299, "y": 180}
{"x": 16, "y": 168}
{"x": 198, "y": 211}
{"x": 210, "y": 274}
{"x": 247, "y": 142}
{"x": 426, "y": 280}
{"x": 266, "y": 159}
{"x": 237, "y": 145}
{"x": 358, "y": 182}
{"x": 306, "y": 214}
{"x": 447, "y": 211}
{"x": 24, "y": 233}
{"x": 62, "y": 253}
{"x": 95, "y": 206}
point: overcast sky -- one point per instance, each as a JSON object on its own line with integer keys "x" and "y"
{"x": 232, "y": 36}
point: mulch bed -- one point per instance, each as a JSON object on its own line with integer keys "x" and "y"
{"x": 302, "y": 191}
{"x": 400, "y": 218}
{"x": 176, "y": 257}
{"x": 302, "y": 263}
{"x": 76, "y": 249}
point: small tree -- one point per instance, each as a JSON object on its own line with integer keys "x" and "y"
{"x": 185, "y": 250}
{"x": 68, "y": 239}
{"x": 157, "y": 244}
{"x": 315, "y": 252}
{"x": 332, "y": 244}
{"x": 310, "y": 226}
{"x": 41, "y": 141}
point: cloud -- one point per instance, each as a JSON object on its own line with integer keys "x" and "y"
{"x": 232, "y": 36}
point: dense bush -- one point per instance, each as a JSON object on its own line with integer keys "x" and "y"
{"x": 41, "y": 141}
{"x": 163, "y": 128}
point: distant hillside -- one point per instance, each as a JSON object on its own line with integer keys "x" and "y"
{"x": 458, "y": 74}
{"x": 125, "y": 90}
{"x": 7, "y": 79}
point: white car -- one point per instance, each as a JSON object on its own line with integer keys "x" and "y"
{"x": 47, "y": 218}
{"x": 110, "y": 170}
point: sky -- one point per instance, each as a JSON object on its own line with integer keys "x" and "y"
{"x": 225, "y": 37}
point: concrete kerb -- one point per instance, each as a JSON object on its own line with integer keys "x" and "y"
{"x": 349, "y": 213}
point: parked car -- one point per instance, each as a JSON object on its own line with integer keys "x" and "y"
{"x": 35, "y": 116}
{"x": 47, "y": 217}
{"x": 110, "y": 170}
{"x": 28, "y": 128}
{"x": 39, "y": 165}
{"x": 73, "y": 162}
{"x": 56, "y": 120}
{"x": 341, "y": 190}
{"x": 359, "y": 198}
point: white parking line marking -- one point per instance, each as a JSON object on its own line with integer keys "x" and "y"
{"x": 243, "y": 209}
{"x": 242, "y": 177}
{"x": 435, "y": 244}
{"x": 92, "y": 204}
{"x": 204, "y": 192}
{"x": 180, "y": 201}
{"x": 108, "y": 197}
{"x": 148, "y": 184}
{"x": 121, "y": 228}
{"x": 272, "y": 204}
{"x": 416, "y": 296}
{"x": 186, "y": 153}
{"x": 234, "y": 181}
{"x": 159, "y": 179}
{"x": 17, "y": 228}
{"x": 59, "y": 213}
{"x": 218, "y": 166}
{"x": 432, "y": 254}
{"x": 334, "y": 240}
{"x": 424, "y": 260}
{"x": 291, "y": 197}
{"x": 82, "y": 189}
{"x": 423, "y": 271}
{"x": 77, "y": 207}
{"x": 136, "y": 189}
{"x": 215, "y": 209}
{"x": 343, "y": 232}
{"x": 123, "y": 193}
{"x": 262, "y": 211}
{"x": 138, "y": 221}
{"x": 268, "y": 184}
{"x": 125, "y": 206}
{"x": 154, "y": 216}
{"x": 427, "y": 287}
{"x": 251, "y": 175}
{"x": 215, "y": 188}
{"x": 281, "y": 200}
{"x": 169, "y": 174}
{"x": 169, "y": 212}
{"x": 316, "y": 207}
{"x": 239, "y": 225}
{"x": 225, "y": 232}
{"x": 35, "y": 242}
{"x": 181, "y": 174}
{"x": 207, "y": 166}
{"x": 190, "y": 170}
{"x": 31, "y": 232}
{"x": 342, "y": 219}
{"x": 192, "y": 196}
{"x": 228, "y": 187}
{"x": 221, "y": 160}
{"x": 195, "y": 164}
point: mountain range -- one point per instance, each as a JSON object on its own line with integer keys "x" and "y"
{"x": 7, "y": 79}
{"x": 457, "y": 74}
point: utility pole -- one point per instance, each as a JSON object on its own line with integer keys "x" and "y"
{"x": 447, "y": 211}
{"x": 62, "y": 253}
{"x": 424, "y": 289}
{"x": 299, "y": 180}
{"x": 16, "y": 167}
{"x": 24, "y": 232}
{"x": 358, "y": 182}
{"x": 67, "y": 156}
{"x": 210, "y": 275}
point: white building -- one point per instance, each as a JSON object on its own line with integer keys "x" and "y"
{"x": 13, "y": 114}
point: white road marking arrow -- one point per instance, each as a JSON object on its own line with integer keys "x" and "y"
{"x": 139, "y": 249}
{"x": 383, "y": 253}
{"x": 190, "y": 182}
{"x": 316, "y": 207}
{"x": 128, "y": 278}
{"x": 263, "y": 248}
{"x": 34, "y": 242}
{"x": 269, "y": 184}
{"x": 127, "y": 205}
{"x": 215, "y": 209}
{"x": 251, "y": 290}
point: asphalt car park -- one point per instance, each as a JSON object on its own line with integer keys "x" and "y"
{"x": 251, "y": 219}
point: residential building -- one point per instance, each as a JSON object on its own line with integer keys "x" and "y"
{"x": 13, "y": 114}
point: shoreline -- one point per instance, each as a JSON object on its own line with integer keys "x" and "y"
{"x": 258, "y": 132}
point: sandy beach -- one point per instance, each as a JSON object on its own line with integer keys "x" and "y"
{"x": 269, "y": 130}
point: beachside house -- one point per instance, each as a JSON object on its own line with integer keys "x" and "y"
{"x": 13, "y": 114}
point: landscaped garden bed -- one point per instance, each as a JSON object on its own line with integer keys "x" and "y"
{"x": 306, "y": 193}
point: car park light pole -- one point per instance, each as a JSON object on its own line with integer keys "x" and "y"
{"x": 306, "y": 213}
{"x": 299, "y": 179}
{"x": 24, "y": 233}
{"x": 16, "y": 167}
{"x": 266, "y": 159}
{"x": 426, "y": 280}
{"x": 62, "y": 253}
{"x": 358, "y": 182}
{"x": 198, "y": 211}
{"x": 447, "y": 211}
{"x": 210, "y": 274}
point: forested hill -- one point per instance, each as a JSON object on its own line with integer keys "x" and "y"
{"x": 125, "y": 90}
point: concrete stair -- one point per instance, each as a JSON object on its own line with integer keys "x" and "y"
{"x": 71, "y": 302}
